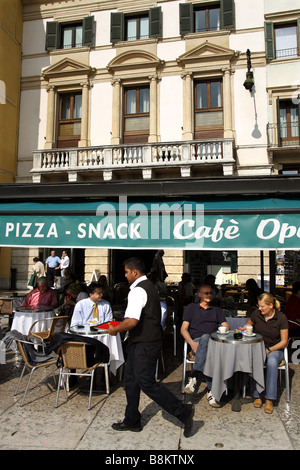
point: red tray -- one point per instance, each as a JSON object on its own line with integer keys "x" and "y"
{"x": 104, "y": 326}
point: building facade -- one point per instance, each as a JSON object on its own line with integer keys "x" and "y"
{"x": 137, "y": 91}
{"x": 10, "y": 75}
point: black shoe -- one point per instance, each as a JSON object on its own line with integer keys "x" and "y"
{"x": 188, "y": 422}
{"x": 121, "y": 426}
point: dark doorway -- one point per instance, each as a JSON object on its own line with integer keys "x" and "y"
{"x": 119, "y": 256}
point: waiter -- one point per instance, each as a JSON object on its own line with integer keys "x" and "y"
{"x": 142, "y": 320}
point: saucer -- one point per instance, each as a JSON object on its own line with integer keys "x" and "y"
{"x": 252, "y": 334}
{"x": 219, "y": 333}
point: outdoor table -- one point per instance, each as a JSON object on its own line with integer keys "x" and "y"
{"x": 227, "y": 355}
{"x": 24, "y": 317}
{"x": 113, "y": 343}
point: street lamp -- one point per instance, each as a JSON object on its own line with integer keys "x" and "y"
{"x": 249, "y": 82}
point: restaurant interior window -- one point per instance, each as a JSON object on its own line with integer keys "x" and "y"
{"x": 207, "y": 18}
{"x": 69, "y": 122}
{"x": 136, "y": 114}
{"x": 137, "y": 27}
{"x": 286, "y": 40}
{"x": 288, "y": 123}
{"x": 208, "y": 109}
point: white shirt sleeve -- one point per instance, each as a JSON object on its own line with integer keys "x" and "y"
{"x": 137, "y": 299}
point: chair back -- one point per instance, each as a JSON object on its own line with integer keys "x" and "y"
{"x": 58, "y": 325}
{"x": 73, "y": 355}
{"x": 23, "y": 352}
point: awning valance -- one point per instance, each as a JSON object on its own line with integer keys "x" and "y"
{"x": 200, "y": 223}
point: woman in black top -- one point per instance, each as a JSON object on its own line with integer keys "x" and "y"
{"x": 268, "y": 321}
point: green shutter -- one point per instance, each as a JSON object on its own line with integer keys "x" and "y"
{"x": 116, "y": 27}
{"x": 227, "y": 14}
{"x": 52, "y": 35}
{"x": 155, "y": 22}
{"x": 269, "y": 39}
{"x": 186, "y": 13}
{"x": 88, "y": 31}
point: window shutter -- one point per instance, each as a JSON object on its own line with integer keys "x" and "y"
{"x": 155, "y": 22}
{"x": 88, "y": 31}
{"x": 186, "y": 18}
{"x": 269, "y": 39}
{"x": 227, "y": 14}
{"x": 52, "y": 35}
{"x": 116, "y": 27}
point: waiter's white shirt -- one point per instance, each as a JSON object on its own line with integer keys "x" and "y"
{"x": 137, "y": 299}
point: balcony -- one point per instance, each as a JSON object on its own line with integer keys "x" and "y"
{"x": 284, "y": 136}
{"x": 122, "y": 161}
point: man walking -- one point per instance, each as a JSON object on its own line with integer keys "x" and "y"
{"x": 142, "y": 320}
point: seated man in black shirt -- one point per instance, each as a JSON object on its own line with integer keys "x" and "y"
{"x": 200, "y": 320}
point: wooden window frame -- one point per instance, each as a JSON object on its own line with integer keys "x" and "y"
{"x": 210, "y": 131}
{"x": 278, "y": 26}
{"x": 138, "y": 29}
{"x": 206, "y": 9}
{"x": 67, "y": 140}
{"x": 73, "y": 42}
{"x": 140, "y": 136}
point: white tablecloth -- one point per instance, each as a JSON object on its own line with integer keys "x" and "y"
{"x": 224, "y": 359}
{"x": 113, "y": 343}
{"x": 23, "y": 320}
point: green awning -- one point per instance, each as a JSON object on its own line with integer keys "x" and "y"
{"x": 210, "y": 224}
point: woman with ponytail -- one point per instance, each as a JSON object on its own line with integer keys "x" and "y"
{"x": 268, "y": 321}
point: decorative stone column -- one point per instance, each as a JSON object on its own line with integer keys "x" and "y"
{"x": 153, "y": 109}
{"x": 227, "y": 103}
{"x": 116, "y": 112}
{"x": 84, "y": 141}
{"x": 50, "y": 117}
{"x": 187, "y": 131}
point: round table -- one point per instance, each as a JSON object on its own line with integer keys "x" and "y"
{"x": 227, "y": 356}
{"x": 113, "y": 343}
{"x": 24, "y": 317}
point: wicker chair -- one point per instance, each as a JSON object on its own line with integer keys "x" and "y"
{"x": 58, "y": 325}
{"x": 41, "y": 360}
{"x": 74, "y": 357}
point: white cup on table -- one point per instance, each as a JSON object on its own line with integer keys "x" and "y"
{"x": 249, "y": 330}
{"x": 222, "y": 329}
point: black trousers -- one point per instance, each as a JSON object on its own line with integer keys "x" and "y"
{"x": 140, "y": 375}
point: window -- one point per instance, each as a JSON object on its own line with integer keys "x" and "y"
{"x": 69, "y": 120}
{"x": 66, "y": 36}
{"x": 208, "y": 109}
{"x": 218, "y": 15}
{"x": 282, "y": 40}
{"x": 136, "y": 114}
{"x": 71, "y": 36}
{"x": 140, "y": 26}
{"x": 288, "y": 120}
{"x": 285, "y": 41}
{"x": 207, "y": 19}
{"x": 137, "y": 28}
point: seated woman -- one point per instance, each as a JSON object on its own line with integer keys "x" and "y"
{"x": 268, "y": 321}
{"x": 75, "y": 292}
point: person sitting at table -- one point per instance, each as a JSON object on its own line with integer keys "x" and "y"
{"x": 92, "y": 308}
{"x": 292, "y": 310}
{"x": 75, "y": 292}
{"x": 268, "y": 321}
{"x": 210, "y": 281}
{"x": 41, "y": 295}
{"x": 198, "y": 323}
{"x": 254, "y": 291}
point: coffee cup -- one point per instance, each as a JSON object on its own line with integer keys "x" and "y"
{"x": 222, "y": 329}
{"x": 249, "y": 329}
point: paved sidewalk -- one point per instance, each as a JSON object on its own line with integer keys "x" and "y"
{"x": 39, "y": 426}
